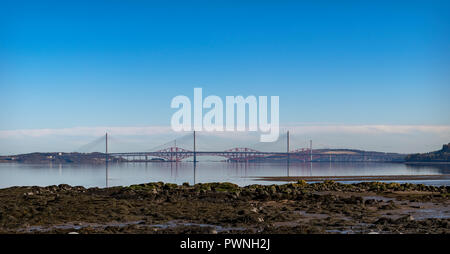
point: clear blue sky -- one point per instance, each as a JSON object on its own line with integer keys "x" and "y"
{"x": 107, "y": 63}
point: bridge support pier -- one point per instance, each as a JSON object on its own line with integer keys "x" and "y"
{"x": 195, "y": 153}
{"x": 287, "y": 150}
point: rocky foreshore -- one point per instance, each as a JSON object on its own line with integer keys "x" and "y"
{"x": 158, "y": 208}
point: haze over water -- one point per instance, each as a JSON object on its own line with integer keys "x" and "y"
{"x": 124, "y": 174}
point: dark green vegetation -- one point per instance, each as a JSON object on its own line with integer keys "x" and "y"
{"x": 338, "y": 155}
{"x": 442, "y": 155}
{"x": 59, "y": 158}
{"x": 327, "y": 207}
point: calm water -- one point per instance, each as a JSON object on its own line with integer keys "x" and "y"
{"x": 13, "y": 174}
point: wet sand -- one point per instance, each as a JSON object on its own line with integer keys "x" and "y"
{"x": 352, "y": 178}
{"x": 220, "y": 208}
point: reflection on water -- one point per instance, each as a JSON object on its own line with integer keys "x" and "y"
{"x": 115, "y": 174}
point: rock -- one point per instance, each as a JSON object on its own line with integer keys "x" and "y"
{"x": 384, "y": 221}
{"x": 404, "y": 219}
{"x": 370, "y": 201}
{"x": 409, "y": 218}
{"x": 302, "y": 182}
{"x": 64, "y": 187}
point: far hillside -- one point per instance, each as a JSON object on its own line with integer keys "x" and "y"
{"x": 442, "y": 155}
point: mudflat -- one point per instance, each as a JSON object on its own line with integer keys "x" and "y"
{"x": 353, "y": 178}
{"x": 217, "y": 208}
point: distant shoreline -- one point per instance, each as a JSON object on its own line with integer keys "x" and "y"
{"x": 427, "y": 162}
{"x": 99, "y": 158}
{"x": 424, "y": 163}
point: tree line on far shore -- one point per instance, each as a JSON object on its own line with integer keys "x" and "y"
{"x": 442, "y": 155}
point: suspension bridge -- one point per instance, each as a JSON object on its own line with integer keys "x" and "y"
{"x": 170, "y": 152}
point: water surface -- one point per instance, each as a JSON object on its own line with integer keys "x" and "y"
{"x": 124, "y": 174}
